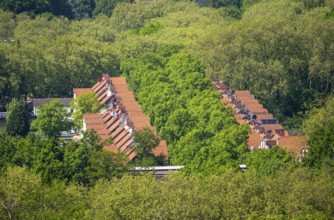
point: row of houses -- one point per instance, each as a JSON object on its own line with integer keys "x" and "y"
{"x": 266, "y": 131}
{"x": 121, "y": 117}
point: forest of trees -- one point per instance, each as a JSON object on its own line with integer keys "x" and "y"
{"x": 291, "y": 194}
{"x": 280, "y": 50}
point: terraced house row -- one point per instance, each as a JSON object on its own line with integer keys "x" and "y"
{"x": 266, "y": 131}
{"x": 122, "y": 117}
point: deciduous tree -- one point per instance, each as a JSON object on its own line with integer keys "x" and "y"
{"x": 84, "y": 104}
{"x": 319, "y": 129}
{"x": 52, "y": 119}
{"x": 17, "y": 121}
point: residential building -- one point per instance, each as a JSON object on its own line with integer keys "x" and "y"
{"x": 120, "y": 119}
{"x": 36, "y": 103}
{"x": 265, "y": 129}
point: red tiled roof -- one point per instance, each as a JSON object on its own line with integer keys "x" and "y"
{"x": 121, "y": 136}
{"x": 281, "y": 137}
{"x": 110, "y": 148}
{"x": 100, "y": 92}
{"x": 108, "y": 127}
{"x": 161, "y": 149}
{"x": 264, "y": 116}
{"x": 101, "y": 97}
{"x": 293, "y": 143}
{"x": 107, "y": 118}
{"x": 80, "y": 91}
{"x": 254, "y": 140}
{"x": 118, "y": 80}
{"x": 92, "y": 119}
{"x": 99, "y": 87}
{"x": 256, "y": 108}
{"x": 92, "y": 116}
{"x": 117, "y": 131}
{"x": 242, "y": 93}
{"x": 250, "y": 102}
{"x": 240, "y": 120}
{"x": 96, "y": 85}
{"x": 123, "y": 142}
{"x": 132, "y": 155}
{"x": 105, "y": 100}
{"x": 95, "y": 127}
{"x": 113, "y": 125}
{"x": 276, "y": 137}
{"x": 272, "y": 127}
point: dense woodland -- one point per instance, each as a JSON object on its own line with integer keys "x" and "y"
{"x": 280, "y": 50}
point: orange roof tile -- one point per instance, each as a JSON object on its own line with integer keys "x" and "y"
{"x": 101, "y": 97}
{"x": 250, "y": 102}
{"x": 239, "y": 119}
{"x": 105, "y": 137}
{"x": 80, "y": 91}
{"x": 95, "y": 127}
{"x": 93, "y": 121}
{"x": 293, "y": 143}
{"x": 132, "y": 155}
{"x": 136, "y": 115}
{"x": 256, "y": 108}
{"x": 276, "y": 137}
{"x": 161, "y": 149}
{"x": 123, "y": 148}
{"x": 107, "y": 118}
{"x": 123, "y": 141}
{"x": 127, "y": 97}
{"x": 132, "y": 107}
{"x": 92, "y": 116}
{"x": 245, "y": 98}
{"x": 106, "y": 99}
{"x": 118, "y": 80}
{"x": 264, "y": 116}
{"x": 110, "y": 148}
{"x": 272, "y": 127}
{"x": 242, "y": 93}
{"x": 121, "y": 136}
{"x": 122, "y": 88}
{"x": 96, "y": 85}
{"x": 102, "y": 84}
{"x": 106, "y": 113}
{"x": 100, "y": 92}
{"x": 113, "y": 125}
{"x": 117, "y": 132}
{"x": 254, "y": 140}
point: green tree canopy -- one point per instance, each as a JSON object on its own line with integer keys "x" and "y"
{"x": 84, "y": 104}
{"x": 17, "y": 121}
{"x": 107, "y": 6}
{"x": 319, "y": 129}
{"x": 145, "y": 141}
{"x": 268, "y": 161}
{"x": 52, "y": 119}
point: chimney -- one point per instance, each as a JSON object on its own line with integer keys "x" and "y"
{"x": 279, "y": 132}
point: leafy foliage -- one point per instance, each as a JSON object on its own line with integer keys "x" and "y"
{"x": 233, "y": 195}
{"x": 52, "y": 119}
{"x": 24, "y": 196}
{"x": 17, "y": 121}
{"x": 81, "y": 161}
{"x": 297, "y": 194}
{"x": 84, "y": 104}
{"x": 319, "y": 128}
{"x": 269, "y": 161}
{"x": 146, "y": 141}
{"x": 282, "y": 51}
{"x": 186, "y": 112}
